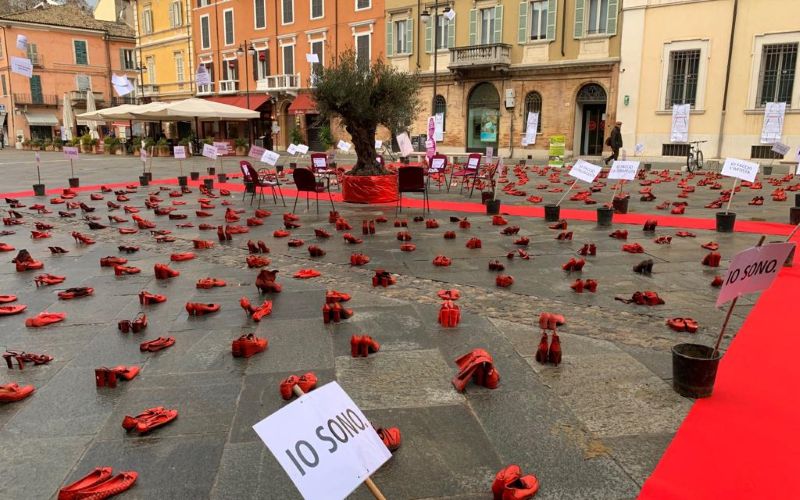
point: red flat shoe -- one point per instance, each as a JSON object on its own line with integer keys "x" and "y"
{"x": 5, "y": 247}
{"x": 122, "y": 270}
{"x": 332, "y": 296}
{"x": 198, "y": 309}
{"x": 390, "y": 436}
{"x": 523, "y": 488}
{"x": 44, "y": 319}
{"x": 5, "y": 299}
{"x": 280, "y": 233}
{"x": 207, "y": 283}
{"x": 691, "y": 325}
{"x": 40, "y": 235}
{"x": 126, "y": 372}
{"x": 677, "y": 324}
{"x": 263, "y": 310}
{"x": 112, "y": 261}
{"x": 157, "y": 344}
{"x": 248, "y": 345}
{"x": 663, "y": 240}
{"x": 254, "y": 261}
{"x": 307, "y": 273}
{"x": 11, "y": 310}
{"x": 404, "y": 236}
{"x": 711, "y": 246}
{"x": 504, "y": 281}
{"x": 295, "y": 242}
{"x": 358, "y": 259}
{"x": 474, "y": 243}
{"x": 181, "y": 257}
{"x": 408, "y": 247}
{"x": 633, "y": 248}
{"x": 114, "y": 486}
{"x": 10, "y": 393}
{"x": 442, "y": 261}
{"x": 97, "y": 476}
{"x": 451, "y": 294}
{"x": 72, "y": 293}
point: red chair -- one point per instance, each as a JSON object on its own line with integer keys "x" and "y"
{"x": 261, "y": 179}
{"x": 321, "y": 168}
{"x": 437, "y": 167}
{"x": 411, "y": 180}
{"x": 305, "y": 181}
{"x": 471, "y": 169}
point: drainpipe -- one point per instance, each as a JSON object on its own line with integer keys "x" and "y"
{"x": 727, "y": 81}
{"x": 12, "y": 128}
{"x": 190, "y": 49}
{"x": 418, "y": 37}
{"x": 106, "y": 38}
{"x": 563, "y": 32}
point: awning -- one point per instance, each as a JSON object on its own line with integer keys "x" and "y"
{"x": 42, "y": 119}
{"x": 256, "y": 101}
{"x": 303, "y": 103}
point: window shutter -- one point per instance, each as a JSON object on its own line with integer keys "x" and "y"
{"x": 211, "y": 71}
{"x": 172, "y": 15}
{"x": 179, "y": 13}
{"x": 552, "y": 16}
{"x": 389, "y": 38}
{"x": 255, "y": 65}
{"x": 523, "y": 22}
{"x": 410, "y": 36}
{"x": 451, "y": 33}
{"x": 611, "y": 26}
{"x": 473, "y": 27}
{"x": 122, "y": 59}
{"x": 579, "y": 5}
{"x": 498, "y": 24}
{"x": 429, "y": 37}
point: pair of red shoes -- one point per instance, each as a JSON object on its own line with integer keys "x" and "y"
{"x": 248, "y": 345}
{"x": 573, "y": 264}
{"x": 25, "y": 357}
{"x": 334, "y": 312}
{"x": 663, "y": 240}
{"x": 474, "y": 243}
{"x": 358, "y": 259}
{"x": 156, "y": 344}
{"x": 449, "y": 235}
{"x": 363, "y": 345}
{"x": 620, "y": 234}
{"x": 449, "y": 314}
{"x": 254, "y": 261}
{"x": 580, "y": 285}
{"x": 564, "y": 236}
{"x": 208, "y": 283}
{"x": 509, "y": 230}
{"x": 442, "y": 261}
{"x": 256, "y": 313}
{"x": 683, "y": 324}
{"x": 368, "y": 227}
{"x": 650, "y": 225}
{"x": 198, "y": 309}
{"x": 431, "y": 224}
{"x": 504, "y": 280}
{"x": 712, "y": 259}
{"x": 305, "y": 383}
{"x": 464, "y": 223}
{"x": 44, "y": 319}
{"x": 499, "y": 220}
{"x": 383, "y": 278}
{"x": 633, "y": 248}
{"x": 304, "y": 274}
{"x": 588, "y": 249}
{"x": 257, "y": 247}
{"x": 408, "y": 247}
{"x": 510, "y": 484}
{"x": 136, "y": 325}
{"x": 98, "y": 484}
{"x": 646, "y": 298}
{"x": 48, "y": 279}
{"x": 162, "y": 272}
{"x": 561, "y": 224}
{"x": 476, "y": 365}
{"x": 24, "y": 262}
{"x": 398, "y": 223}
{"x": 149, "y": 419}
{"x": 496, "y": 265}
{"x": 404, "y": 236}
{"x": 146, "y": 298}
{"x": 202, "y": 244}
{"x": 107, "y": 377}
{"x": 265, "y": 281}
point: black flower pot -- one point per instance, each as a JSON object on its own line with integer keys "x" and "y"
{"x": 648, "y": 166}
{"x": 194, "y": 175}
{"x": 604, "y": 216}
{"x": 485, "y": 196}
{"x": 38, "y": 189}
{"x": 143, "y": 180}
{"x": 74, "y": 182}
{"x": 209, "y": 183}
{"x": 552, "y": 213}
{"x": 794, "y": 215}
{"x": 620, "y": 205}
{"x": 693, "y": 370}
{"x": 249, "y": 188}
{"x": 292, "y": 165}
{"x": 212, "y": 170}
{"x": 725, "y": 222}
{"x": 767, "y": 170}
{"x": 222, "y": 177}
{"x": 492, "y": 207}
{"x": 182, "y": 180}
{"x": 797, "y": 199}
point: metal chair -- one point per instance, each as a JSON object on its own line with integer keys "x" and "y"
{"x": 411, "y": 180}
{"x": 261, "y": 179}
{"x": 305, "y": 181}
{"x": 437, "y": 166}
{"x": 470, "y": 170}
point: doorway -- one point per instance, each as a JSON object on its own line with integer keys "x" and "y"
{"x": 312, "y": 133}
{"x": 483, "y": 118}
{"x": 591, "y": 114}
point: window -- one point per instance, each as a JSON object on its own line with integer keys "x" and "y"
{"x": 227, "y": 16}
{"x": 175, "y": 15}
{"x": 487, "y": 25}
{"x": 595, "y": 17}
{"x": 205, "y": 32}
{"x": 317, "y": 9}
{"x": 33, "y": 54}
{"x": 230, "y": 70}
{"x": 178, "y": 67}
{"x": 401, "y": 37}
{"x": 318, "y": 48}
{"x": 776, "y": 76}
{"x": 36, "y": 90}
{"x": 83, "y": 82}
{"x": 288, "y": 59}
{"x": 440, "y": 106}
{"x": 81, "y": 53}
{"x": 363, "y": 4}
{"x": 538, "y": 15}
{"x": 203, "y": 3}
{"x": 684, "y": 69}
{"x": 288, "y": 11}
{"x": 362, "y": 50}
{"x": 147, "y": 21}
{"x": 261, "y": 63}
{"x": 598, "y": 16}
{"x": 150, "y": 64}
{"x": 3, "y": 89}
{"x": 533, "y": 104}
{"x": 442, "y": 37}
{"x": 260, "y": 14}
{"x": 127, "y": 59}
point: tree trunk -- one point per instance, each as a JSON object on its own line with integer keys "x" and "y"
{"x": 364, "y": 141}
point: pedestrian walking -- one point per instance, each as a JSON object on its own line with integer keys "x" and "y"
{"x": 614, "y": 141}
{"x": 2, "y": 139}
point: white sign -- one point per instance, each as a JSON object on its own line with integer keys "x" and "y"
{"x": 70, "y": 152}
{"x": 324, "y": 443}
{"x": 292, "y": 149}
{"x": 2, "y": 108}
{"x": 797, "y": 159}
{"x": 638, "y": 149}
{"x": 680, "y": 122}
{"x": 773, "y": 122}
{"x": 438, "y": 120}
{"x": 623, "y": 170}
{"x": 256, "y": 152}
{"x": 222, "y": 148}
{"x": 404, "y": 142}
{"x": 179, "y": 152}
{"x": 202, "y": 76}
{"x": 210, "y": 151}
{"x": 143, "y": 155}
{"x": 753, "y": 270}
{"x": 489, "y": 153}
{"x": 37, "y": 157}
{"x": 378, "y": 143}
{"x": 302, "y": 149}
{"x": 320, "y": 162}
{"x": 531, "y": 125}
{"x": 430, "y": 144}
{"x": 450, "y": 15}
{"x": 22, "y": 66}
{"x": 585, "y": 171}
{"x": 270, "y": 157}
{"x": 745, "y": 170}
{"x": 437, "y": 165}
{"x": 780, "y": 148}
{"x": 123, "y": 90}
{"x": 344, "y": 146}
{"x": 312, "y": 58}
{"x": 22, "y": 42}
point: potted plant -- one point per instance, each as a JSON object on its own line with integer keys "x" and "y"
{"x": 58, "y": 144}
{"x": 363, "y": 97}
{"x": 241, "y": 144}
{"x": 296, "y": 136}
{"x": 107, "y": 145}
{"x": 86, "y": 143}
{"x": 26, "y": 144}
{"x": 162, "y": 146}
{"x": 48, "y": 145}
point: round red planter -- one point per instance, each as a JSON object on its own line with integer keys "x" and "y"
{"x": 369, "y": 188}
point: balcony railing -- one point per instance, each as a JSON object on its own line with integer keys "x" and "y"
{"x": 119, "y": 101}
{"x": 493, "y": 55}
{"x": 278, "y": 82}
{"x": 37, "y": 59}
{"x": 207, "y": 89}
{"x": 80, "y": 96}
{"x": 228, "y": 86}
{"x": 36, "y": 100}
{"x": 149, "y": 89}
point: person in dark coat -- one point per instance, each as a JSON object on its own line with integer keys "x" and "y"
{"x": 615, "y": 142}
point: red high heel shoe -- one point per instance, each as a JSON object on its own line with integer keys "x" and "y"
{"x": 315, "y": 251}
{"x": 577, "y": 286}
{"x": 147, "y": 298}
{"x": 181, "y": 257}
{"x": 573, "y": 265}
{"x": 321, "y": 233}
{"x": 504, "y": 281}
{"x": 265, "y": 281}
{"x": 358, "y": 259}
{"x": 198, "y": 309}
{"x": 650, "y": 225}
{"x": 390, "y": 436}
{"x": 474, "y": 243}
{"x": 449, "y": 314}
{"x": 72, "y": 293}
{"x": 248, "y": 345}
{"x": 162, "y": 272}
{"x": 590, "y": 285}
{"x": 620, "y": 234}
{"x": 112, "y": 261}
{"x": 349, "y": 238}
{"x": 712, "y": 259}
{"x": 82, "y": 238}
{"x": 717, "y": 281}
{"x": 48, "y": 279}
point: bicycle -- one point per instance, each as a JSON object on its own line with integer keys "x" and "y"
{"x": 694, "y": 158}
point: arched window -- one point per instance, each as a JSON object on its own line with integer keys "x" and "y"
{"x": 440, "y": 106}
{"x": 533, "y": 104}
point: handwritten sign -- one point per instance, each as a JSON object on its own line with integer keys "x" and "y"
{"x": 438, "y": 133}
{"x": 404, "y": 142}
{"x": 22, "y": 42}
{"x": 270, "y": 157}
{"x": 745, "y": 170}
{"x": 222, "y": 148}
{"x": 210, "y": 151}
{"x": 585, "y": 171}
{"x": 437, "y": 165}
{"x": 70, "y": 152}
{"x": 320, "y": 163}
{"x": 22, "y": 66}
{"x": 179, "y": 152}
{"x": 302, "y": 149}
{"x": 292, "y": 149}
{"x": 623, "y": 170}
{"x": 772, "y": 130}
{"x": 342, "y": 145}
{"x": 753, "y": 270}
{"x": 780, "y": 148}
{"x": 531, "y": 124}
{"x": 256, "y": 152}
{"x": 202, "y": 76}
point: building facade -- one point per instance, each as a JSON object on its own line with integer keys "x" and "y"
{"x": 259, "y": 54}
{"x": 725, "y": 58}
{"x": 497, "y": 60}
{"x": 72, "y": 54}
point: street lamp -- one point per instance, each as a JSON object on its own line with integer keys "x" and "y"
{"x": 426, "y": 18}
{"x": 251, "y": 50}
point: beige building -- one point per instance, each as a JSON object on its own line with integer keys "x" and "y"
{"x": 497, "y": 60}
{"x": 726, "y": 58}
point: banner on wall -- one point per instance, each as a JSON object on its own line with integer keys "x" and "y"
{"x": 556, "y": 150}
{"x": 772, "y": 130}
{"x": 531, "y": 124}
{"x": 680, "y": 123}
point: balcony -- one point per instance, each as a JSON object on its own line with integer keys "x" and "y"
{"x": 207, "y": 89}
{"x": 228, "y": 86}
{"x": 36, "y": 100}
{"x": 278, "y": 83}
{"x": 119, "y": 101}
{"x": 37, "y": 60}
{"x": 150, "y": 89}
{"x": 492, "y": 56}
{"x": 79, "y": 96}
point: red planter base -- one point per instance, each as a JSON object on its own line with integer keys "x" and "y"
{"x": 369, "y": 188}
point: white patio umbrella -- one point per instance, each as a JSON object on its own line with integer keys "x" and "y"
{"x": 90, "y": 108}
{"x": 198, "y": 108}
{"x": 67, "y": 117}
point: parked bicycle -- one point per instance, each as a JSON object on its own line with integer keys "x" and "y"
{"x": 694, "y": 158}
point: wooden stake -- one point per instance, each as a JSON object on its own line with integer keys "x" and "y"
{"x": 730, "y": 198}
{"x": 617, "y": 187}
{"x": 373, "y": 488}
{"x": 568, "y": 190}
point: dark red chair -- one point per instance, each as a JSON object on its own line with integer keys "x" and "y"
{"x": 305, "y": 181}
{"x": 471, "y": 169}
{"x": 411, "y": 180}
{"x": 437, "y": 167}
{"x": 261, "y": 179}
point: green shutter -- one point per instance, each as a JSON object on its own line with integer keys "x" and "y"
{"x": 389, "y": 38}
{"x": 473, "y": 27}
{"x": 410, "y": 36}
{"x": 498, "y": 25}
{"x": 552, "y": 16}
{"x": 451, "y": 33}
{"x": 429, "y": 37}
{"x": 579, "y": 5}
{"x": 523, "y": 22}
{"x": 80, "y": 52}
{"x": 611, "y": 26}
{"x": 36, "y": 89}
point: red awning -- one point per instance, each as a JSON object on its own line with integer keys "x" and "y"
{"x": 241, "y": 100}
{"x": 303, "y": 103}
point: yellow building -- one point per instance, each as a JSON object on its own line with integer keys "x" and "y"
{"x": 725, "y": 58}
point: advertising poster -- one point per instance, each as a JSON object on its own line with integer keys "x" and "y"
{"x": 556, "y": 150}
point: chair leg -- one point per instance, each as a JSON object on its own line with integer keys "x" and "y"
{"x": 281, "y": 193}
{"x": 399, "y": 205}
{"x": 317, "y": 203}
{"x": 330, "y": 198}
{"x": 474, "y": 180}
{"x": 294, "y": 208}
{"x": 307, "y": 205}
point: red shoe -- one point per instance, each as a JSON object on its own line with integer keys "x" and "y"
{"x": 404, "y": 236}
{"x": 400, "y": 223}
{"x": 562, "y": 224}
{"x": 464, "y": 224}
{"x": 506, "y": 476}
{"x": 332, "y": 296}
{"x": 11, "y": 310}
{"x": 431, "y": 224}
{"x": 263, "y": 310}
{"x": 48, "y": 279}
{"x": 620, "y": 234}
{"x": 149, "y": 419}
{"x": 265, "y": 281}
{"x": 112, "y": 261}
{"x": 717, "y": 282}
{"x": 202, "y": 244}
{"x": 573, "y": 265}
{"x": 97, "y": 476}
{"x": 441, "y": 261}
{"x": 321, "y": 233}
{"x": 261, "y": 213}
{"x": 44, "y": 319}
{"x": 495, "y": 265}
{"x": 281, "y": 233}
{"x": 504, "y": 280}
{"x": 162, "y": 272}
{"x": 368, "y": 346}
{"x": 5, "y": 247}
{"x": 711, "y": 246}
{"x": 72, "y": 293}
{"x": 82, "y": 238}
{"x": 677, "y": 324}
{"x": 126, "y": 372}
{"x": 295, "y": 242}
{"x": 650, "y": 225}
{"x": 10, "y": 393}
{"x": 663, "y": 240}
{"x": 40, "y": 235}
{"x": 525, "y": 241}
{"x": 590, "y": 285}
{"x": 577, "y": 286}
{"x": 207, "y": 283}
{"x": 198, "y": 309}
{"x": 349, "y": 238}
{"x": 156, "y": 344}
{"x": 5, "y": 299}
{"x": 147, "y": 298}
{"x": 307, "y": 273}
{"x": 114, "y": 486}
{"x": 408, "y": 247}
{"x": 254, "y": 221}
{"x": 307, "y": 382}
{"x": 633, "y": 248}
{"x": 564, "y": 236}
{"x": 180, "y": 257}
{"x": 287, "y": 386}
{"x": 712, "y": 259}
{"x": 381, "y": 219}
{"x": 474, "y": 243}
{"x": 499, "y": 220}
{"x": 554, "y": 353}
{"x": 248, "y": 345}
{"x": 201, "y": 213}
{"x": 541, "y": 351}
{"x": 254, "y": 261}
{"x": 685, "y": 234}
{"x": 449, "y": 314}
{"x": 524, "y": 488}
{"x": 390, "y": 436}
{"x": 122, "y": 270}
{"x": 449, "y": 235}
{"x": 358, "y": 259}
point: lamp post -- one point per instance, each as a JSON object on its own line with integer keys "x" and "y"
{"x": 426, "y": 18}
{"x": 239, "y": 53}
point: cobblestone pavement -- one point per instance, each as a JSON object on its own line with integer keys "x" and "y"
{"x": 594, "y": 427}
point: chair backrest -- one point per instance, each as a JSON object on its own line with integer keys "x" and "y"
{"x": 251, "y": 172}
{"x": 246, "y": 169}
{"x": 473, "y": 161}
{"x": 319, "y": 161}
{"x": 438, "y": 164}
{"x": 304, "y": 179}
{"x": 410, "y": 178}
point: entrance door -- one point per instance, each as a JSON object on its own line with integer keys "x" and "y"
{"x": 591, "y": 109}
{"x": 312, "y": 132}
{"x": 483, "y": 119}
